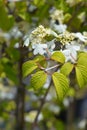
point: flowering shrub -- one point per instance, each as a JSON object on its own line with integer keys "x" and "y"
{"x": 67, "y": 57}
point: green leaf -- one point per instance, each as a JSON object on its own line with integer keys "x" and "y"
{"x": 6, "y": 21}
{"x": 10, "y": 73}
{"x": 66, "y": 68}
{"x": 28, "y": 67}
{"x": 13, "y": 53}
{"x": 9, "y": 70}
{"x": 4, "y": 60}
{"x": 39, "y": 2}
{"x": 71, "y": 92}
{"x": 21, "y": 10}
{"x": 82, "y": 54}
{"x": 81, "y": 75}
{"x": 61, "y": 84}
{"x": 58, "y": 56}
{"x": 38, "y": 80}
{"x": 83, "y": 70}
{"x": 82, "y": 59}
{"x": 42, "y": 61}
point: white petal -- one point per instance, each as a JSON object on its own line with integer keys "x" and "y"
{"x": 76, "y": 47}
{"x": 34, "y": 46}
{"x": 74, "y": 54}
{"x": 35, "y": 52}
{"x": 16, "y": 45}
{"x": 43, "y": 45}
{"x": 60, "y": 28}
{"x": 50, "y": 45}
{"x": 41, "y": 52}
{"x": 66, "y": 52}
{"x": 26, "y": 42}
{"x": 39, "y": 48}
{"x": 73, "y": 47}
{"x": 51, "y": 32}
{"x": 81, "y": 37}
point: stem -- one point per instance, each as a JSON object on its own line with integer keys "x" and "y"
{"x": 20, "y": 98}
{"x": 51, "y": 67}
{"x": 41, "y": 106}
{"x": 47, "y": 69}
{"x": 70, "y": 115}
{"x": 48, "y": 52}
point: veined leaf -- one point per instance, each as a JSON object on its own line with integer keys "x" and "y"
{"x": 82, "y": 59}
{"x": 81, "y": 75}
{"x": 83, "y": 70}
{"x": 83, "y": 54}
{"x": 61, "y": 84}
{"x": 29, "y": 67}
{"x": 66, "y": 68}
{"x": 39, "y": 58}
{"x": 38, "y": 80}
{"x": 58, "y": 56}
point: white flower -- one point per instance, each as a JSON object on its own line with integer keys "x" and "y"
{"x": 57, "y": 15}
{"x": 26, "y": 42}
{"x": 51, "y": 32}
{"x": 39, "y": 48}
{"x": 16, "y": 45}
{"x": 40, "y": 33}
{"x": 71, "y": 52}
{"x": 60, "y": 28}
{"x": 51, "y": 45}
{"x": 16, "y": 33}
{"x": 80, "y": 36}
{"x": 82, "y": 124}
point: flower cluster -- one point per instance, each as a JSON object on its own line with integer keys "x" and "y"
{"x": 39, "y": 35}
{"x": 66, "y": 37}
{"x": 57, "y": 15}
{"x": 43, "y": 39}
{"x": 40, "y": 40}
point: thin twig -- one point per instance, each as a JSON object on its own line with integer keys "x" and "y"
{"x": 47, "y": 69}
{"x": 41, "y": 105}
